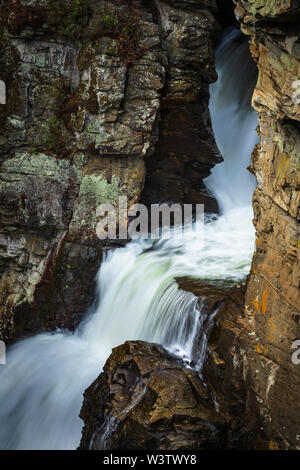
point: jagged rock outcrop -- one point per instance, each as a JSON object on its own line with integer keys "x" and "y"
{"x": 179, "y": 164}
{"x": 251, "y": 350}
{"x": 146, "y": 399}
{"x": 94, "y": 89}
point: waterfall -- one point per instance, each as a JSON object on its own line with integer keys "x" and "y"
{"x": 45, "y": 376}
{"x": 234, "y": 121}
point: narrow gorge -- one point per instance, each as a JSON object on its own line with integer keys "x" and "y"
{"x": 160, "y": 344}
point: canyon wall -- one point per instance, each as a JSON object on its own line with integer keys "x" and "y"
{"x": 109, "y": 98}
{"x": 251, "y": 367}
{"x": 96, "y": 92}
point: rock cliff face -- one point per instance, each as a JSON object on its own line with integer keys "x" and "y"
{"x": 186, "y": 149}
{"x": 251, "y": 350}
{"x": 94, "y": 90}
{"x": 109, "y": 98}
{"x": 249, "y": 367}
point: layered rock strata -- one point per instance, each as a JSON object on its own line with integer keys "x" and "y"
{"x": 251, "y": 360}
{"x": 94, "y": 89}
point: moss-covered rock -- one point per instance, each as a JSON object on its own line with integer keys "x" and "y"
{"x": 89, "y": 86}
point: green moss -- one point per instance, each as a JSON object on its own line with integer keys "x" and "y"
{"x": 122, "y": 27}
{"x": 79, "y": 160}
{"x": 110, "y": 23}
{"x": 101, "y": 46}
{"x": 9, "y": 56}
{"x": 269, "y": 8}
{"x": 128, "y": 34}
{"x": 68, "y": 17}
{"x": 50, "y": 137}
{"x": 94, "y": 190}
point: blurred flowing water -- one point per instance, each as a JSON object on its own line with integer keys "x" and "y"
{"x": 234, "y": 121}
{"x": 42, "y": 384}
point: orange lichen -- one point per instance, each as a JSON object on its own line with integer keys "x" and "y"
{"x": 273, "y": 446}
{"x": 261, "y": 306}
{"x": 264, "y": 301}
{"x": 256, "y": 303}
{"x": 258, "y": 349}
{"x": 283, "y": 167}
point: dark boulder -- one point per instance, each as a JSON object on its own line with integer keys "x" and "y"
{"x": 147, "y": 399}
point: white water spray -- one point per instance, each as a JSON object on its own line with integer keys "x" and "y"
{"x": 42, "y": 384}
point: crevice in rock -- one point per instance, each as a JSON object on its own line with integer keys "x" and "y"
{"x": 225, "y": 14}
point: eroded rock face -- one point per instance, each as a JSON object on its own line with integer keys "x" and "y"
{"x": 186, "y": 147}
{"x": 252, "y": 348}
{"x": 94, "y": 89}
{"x": 146, "y": 399}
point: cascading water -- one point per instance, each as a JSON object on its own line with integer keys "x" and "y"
{"x": 45, "y": 376}
{"x": 234, "y": 121}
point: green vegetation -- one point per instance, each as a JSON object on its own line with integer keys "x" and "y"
{"x": 127, "y": 31}
{"x": 68, "y": 17}
{"x": 6, "y": 52}
{"x": 65, "y": 17}
{"x": 110, "y": 23}
{"x": 50, "y": 137}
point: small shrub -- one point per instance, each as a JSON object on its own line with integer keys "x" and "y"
{"x": 68, "y": 17}
{"x": 127, "y": 31}
{"x": 110, "y": 23}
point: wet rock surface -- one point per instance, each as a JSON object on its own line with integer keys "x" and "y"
{"x": 146, "y": 399}
{"x": 186, "y": 148}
